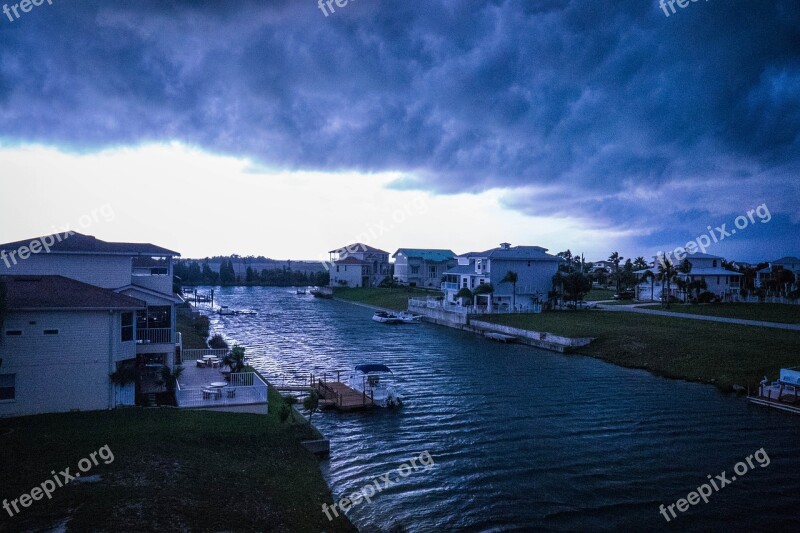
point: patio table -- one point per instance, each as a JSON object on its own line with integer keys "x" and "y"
{"x": 219, "y": 384}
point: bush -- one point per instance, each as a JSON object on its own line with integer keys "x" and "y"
{"x": 218, "y": 343}
{"x": 707, "y": 297}
{"x": 794, "y": 295}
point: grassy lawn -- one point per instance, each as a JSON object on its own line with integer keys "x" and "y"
{"x": 723, "y": 354}
{"x": 784, "y": 313}
{"x": 394, "y": 298}
{"x": 193, "y": 330}
{"x": 595, "y": 295}
{"x": 172, "y": 470}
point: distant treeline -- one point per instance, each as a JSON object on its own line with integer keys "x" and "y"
{"x": 193, "y": 272}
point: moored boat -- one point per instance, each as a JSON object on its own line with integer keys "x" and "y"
{"x": 409, "y": 318}
{"x": 386, "y": 318}
{"x": 783, "y": 394}
{"x": 376, "y": 381}
{"x": 322, "y": 292}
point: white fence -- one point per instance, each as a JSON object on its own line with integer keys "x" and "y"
{"x": 244, "y": 388}
{"x": 194, "y": 354}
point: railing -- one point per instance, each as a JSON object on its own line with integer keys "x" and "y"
{"x": 244, "y": 388}
{"x": 194, "y": 353}
{"x": 154, "y": 335}
{"x": 447, "y": 285}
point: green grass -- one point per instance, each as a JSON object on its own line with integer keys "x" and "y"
{"x": 193, "y": 330}
{"x": 708, "y": 352}
{"x": 172, "y": 470}
{"x": 783, "y": 313}
{"x": 395, "y": 298}
{"x": 595, "y": 295}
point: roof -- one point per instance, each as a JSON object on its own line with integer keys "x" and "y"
{"x": 462, "y": 269}
{"x": 427, "y": 254}
{"x": 60, "y": 293}
{"x": 349, "y": 261}
{"x": 690, "y": 256}
{"x": 788, "y": 260}
{"x": 712, "y": 272}
{"x": 523, "y": 253}
{"x": 355, "y": 248}
{"x": 372, "y": 368}
{"x": 77, "y": 243}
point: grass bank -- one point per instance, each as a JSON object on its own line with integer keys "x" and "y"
{"x": 708, "y": 352}
{"x": 783, "y": 313}
{"x": 595, "y": 295}
{"x": 172, "y": 470}
{"x": 395, "y": 298}
{"x": 193, "y": 330}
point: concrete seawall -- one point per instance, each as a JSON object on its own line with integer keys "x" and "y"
{"x": 538, "y": 339}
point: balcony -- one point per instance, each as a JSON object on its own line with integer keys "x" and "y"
{"x": 449, "y": 286}
{"x": 154, "y": 335}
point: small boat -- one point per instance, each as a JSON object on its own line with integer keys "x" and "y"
{"x": 301, "y": 291}
{"x": 386, "y": 318}
{"x": 322, "y": 292}
{"x": 409, "y": 318}
{"x": 783, "y": 394}
{"x": 377, "y": 383}
{"x": 226, "y": 311}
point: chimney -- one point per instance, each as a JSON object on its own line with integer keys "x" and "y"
{"x": 505, "y": 246}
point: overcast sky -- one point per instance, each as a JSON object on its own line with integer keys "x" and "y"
{"x": 258, "y": 127}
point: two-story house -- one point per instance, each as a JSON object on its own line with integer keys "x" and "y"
{"x": 420, "y": 267}
{"x": 771, "y": 273}
{"x": 358, "y": 265}
{"x": 720, "y": 281}
{"x": 533, "y": 266}
{"x": 117, "y": 297}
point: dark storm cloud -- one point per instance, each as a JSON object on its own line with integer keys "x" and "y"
{"x": 609, "y": 111}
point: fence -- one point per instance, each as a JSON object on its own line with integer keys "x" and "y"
{"x": 244, "y": 388}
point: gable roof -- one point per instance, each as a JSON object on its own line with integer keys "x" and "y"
{"x": 73, "y": 242}
{"x": 523, "y": 253}
{"x": 427, "y": 254}
{"x": 788, "y": 260}
{"x": 349, "y": 261}
{"x": 463, "y": 269}
{"x": 356, "y": 248}
{"x": 59, "y": 293}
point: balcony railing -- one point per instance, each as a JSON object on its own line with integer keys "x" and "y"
{"x": 447, "y": 285}
{"x": 154, "y": 335}
{"x": 244, "y": 388}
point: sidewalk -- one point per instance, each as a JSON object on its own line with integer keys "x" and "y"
{"x": 634, "y": 308}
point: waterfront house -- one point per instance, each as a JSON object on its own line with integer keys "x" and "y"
{"x": 720, "y": 281}
{"x": 420, "y": 267}
{"x": 358, "y": 265}
{"x": 123, "y": 272}
{"x": 533, "y": 266}
{"x": 770, "y": 272}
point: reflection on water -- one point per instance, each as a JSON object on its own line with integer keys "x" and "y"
{"x": 522, "y": 438}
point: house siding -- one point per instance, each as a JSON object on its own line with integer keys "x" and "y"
{"x": 106, "y": 271}
{"x": 64, "y": 372}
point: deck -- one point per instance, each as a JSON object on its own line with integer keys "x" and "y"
{"x": 342, "y": 397}
{"x": 245, "y": 388}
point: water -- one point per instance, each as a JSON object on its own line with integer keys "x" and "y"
{"x": 522, "y": 439}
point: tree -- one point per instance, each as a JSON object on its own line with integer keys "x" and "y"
{"x": 311, "y": 404}
{"x": 464, "y": 293}
{"x": 615, "y": 259}
{"x": 288, "y": 407}
{"x": 648, "y": 274}
{"x": 666, "y": 273}
{"x": 483, "y": 288}
{"x": 639, "y": 263}
{"x": 567, "y": 257}
{"x": 235, "y": 359}
{"x": 511, "y": 277}
{"x": 169, "y": 378}
{"x": 576, "y": 285}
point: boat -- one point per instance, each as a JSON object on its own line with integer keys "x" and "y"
{"x": 226, "y": 311}
{"x": 301, "y": 291}
{"x": 783, "y": 394}
{"x": 386, "y": 318}
{"x": 322, "y": 292}
{"x": 409, "y": 318}
{"x": 376, "y": 381}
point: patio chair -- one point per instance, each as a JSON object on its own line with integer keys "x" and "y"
{"x": 231, "y": 393}
{"x": 201, "y": 363}
{"x": 207, "y": 394}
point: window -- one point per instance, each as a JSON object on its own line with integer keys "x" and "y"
{"x": 127, "y": 327}
{"x": 13, "y": 333}
{"x": 51, "y": 332}
{"x": 8, "y": 387}
{"x": 432, "y": 271}
{"x": 415, "y": 270}
{"x": 714, "y": 263}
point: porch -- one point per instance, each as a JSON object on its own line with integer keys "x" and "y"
{"x": 214, "y": 387}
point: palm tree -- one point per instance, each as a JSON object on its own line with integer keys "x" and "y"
{"x": 615, "y": 259}
{"x": 235, "y": 359}
{"x": 311, "y": 404}
{"x": 511, "y": 277}
{"x": 648, "y": 274}
{"x": 169, "y": 378}
{"x": 666, "y": 273}
{"x": 639, "y": 263}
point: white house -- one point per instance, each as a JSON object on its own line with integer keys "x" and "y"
{"x": 119, "y": 272}
{"x": 422, "y": 267}
{"x": 533, "y": 266}
{"x": 59, "y": 342}
{"x": 720, "y": 281}
{"x": 358, "y": 265}
{"x": 789, "y": 263}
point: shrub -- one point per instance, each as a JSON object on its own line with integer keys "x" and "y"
{"x": 218, "y": 343}
{"x": 707, "y": 297}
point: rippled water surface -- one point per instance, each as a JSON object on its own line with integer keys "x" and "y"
{"x": 521, "y": 438}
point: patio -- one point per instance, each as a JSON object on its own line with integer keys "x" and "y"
{"x": 208, "y": 387}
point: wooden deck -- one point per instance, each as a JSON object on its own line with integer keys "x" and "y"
{"x": 342, "y": 397}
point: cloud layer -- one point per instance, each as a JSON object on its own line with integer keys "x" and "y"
{"x": 609, "y": 112}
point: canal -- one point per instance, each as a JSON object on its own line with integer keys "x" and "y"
{"x": 521, "y": 438}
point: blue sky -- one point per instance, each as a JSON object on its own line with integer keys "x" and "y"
{"x": 591, "y": 125}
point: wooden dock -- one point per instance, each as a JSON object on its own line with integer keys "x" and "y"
{"x": 342, "y": 397}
